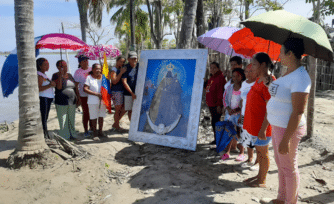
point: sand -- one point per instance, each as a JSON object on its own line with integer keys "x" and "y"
{"x": 122, "y": 171}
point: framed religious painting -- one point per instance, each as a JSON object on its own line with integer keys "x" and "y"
{"x": 169, "y": 94}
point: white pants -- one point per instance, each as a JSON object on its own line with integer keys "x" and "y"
{"x": 128, "y": 103}
{"x": 96, "y": 112}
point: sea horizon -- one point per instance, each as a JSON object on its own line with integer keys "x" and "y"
{"x": 10, "y": 106}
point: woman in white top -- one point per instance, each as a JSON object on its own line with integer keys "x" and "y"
{"x": 46, "y": 94}
{"x": 97, "y": 109}
{"x": 80, "y": 76}
{"x": 285, "y": 112}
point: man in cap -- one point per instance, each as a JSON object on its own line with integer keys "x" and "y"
{"x": 129, "y": 79}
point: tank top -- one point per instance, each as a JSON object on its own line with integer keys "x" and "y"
{"x": 47, "y": 93}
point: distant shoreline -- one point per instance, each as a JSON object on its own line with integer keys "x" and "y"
{"x": 42, "y": 53}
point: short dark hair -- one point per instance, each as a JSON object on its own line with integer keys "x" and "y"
{"x": 295, "y": 45}
{"x": 59, "y": 62}
{"x": 262, "y": 57}
{"x": 241, "y": 72}
{"x": 237, "y": 59}
{"x": 216, "y": 64}
{"x": 93, "y": 67}
{"x": 119, "y": 57}
{"x": 39, "y": 63}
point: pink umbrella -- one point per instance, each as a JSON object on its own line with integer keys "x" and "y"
{"x": 96, "y": 52}
{"x": 60, "y": 41}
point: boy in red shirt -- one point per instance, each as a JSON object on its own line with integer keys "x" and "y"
{"x": 214, "y": 95}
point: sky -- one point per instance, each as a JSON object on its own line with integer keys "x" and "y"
{"x": 48, "y": 15}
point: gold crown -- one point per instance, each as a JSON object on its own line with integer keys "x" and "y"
{"x": 170, "y": 67}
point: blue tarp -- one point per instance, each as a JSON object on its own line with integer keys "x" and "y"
{"x": 10, "y": 72}
{"x": 224, "y": 134}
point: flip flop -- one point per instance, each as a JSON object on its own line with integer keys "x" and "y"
{"x": 225, "y": 157}
{"x": 249, "y": 180}
{"x": 241, "y": 158}
{"x": 256, "y": 185}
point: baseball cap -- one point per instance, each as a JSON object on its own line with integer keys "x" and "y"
{"x": 132, "y": 54}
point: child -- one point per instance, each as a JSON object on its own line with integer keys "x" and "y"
{"x": 232, "y": 98}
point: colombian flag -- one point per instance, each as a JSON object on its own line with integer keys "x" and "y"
{"x": 105, "y": 88}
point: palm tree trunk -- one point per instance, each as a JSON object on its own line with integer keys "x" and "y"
{"x": 132, "y": 25}
{"x": 31, "y": 139}
{"x": 188, "y": 23}
{"x": 83, "y": 10}
{"x": 200, "y": 21}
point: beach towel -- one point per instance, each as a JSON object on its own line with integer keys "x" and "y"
{"x": 224, "y": 134}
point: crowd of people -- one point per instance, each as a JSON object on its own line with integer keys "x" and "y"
{"x": 84, "y": 89}
{"x": 264, "y": 109}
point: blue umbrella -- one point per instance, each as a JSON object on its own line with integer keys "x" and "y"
{"x": 224, "y": 134}
{"x": 10, "y": 72}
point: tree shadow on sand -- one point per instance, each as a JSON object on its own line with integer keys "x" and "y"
{"x": 324, "y": 198}
{"x": 7, "y": 145}
{"x": 176, "y": 176}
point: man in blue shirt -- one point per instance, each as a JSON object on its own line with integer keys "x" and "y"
{"x": 129, "y": 79}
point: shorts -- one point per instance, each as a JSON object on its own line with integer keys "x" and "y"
{"x": 128, "y": 103}
{"x": 117, "y": 98}
{"x": 97, "y": 112}
{"x": 248, "y": 140}
{"x": 261, "y": 143}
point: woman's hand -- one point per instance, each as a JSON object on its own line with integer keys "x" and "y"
{"x": 284, "y": 147}
{"x": 123, "y": 70}
{"x": 98, "y": 95}
{"x": 53, "y": 84}
{"x": 262, "y": 135}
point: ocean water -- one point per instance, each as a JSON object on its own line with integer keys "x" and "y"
{"x": 9, "y": 107}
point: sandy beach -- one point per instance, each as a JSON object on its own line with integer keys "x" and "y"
{"x": 122, "y": 171}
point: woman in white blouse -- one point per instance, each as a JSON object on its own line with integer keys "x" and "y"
{"x": 285, "y": 112}
{"x": 46, "y": 92}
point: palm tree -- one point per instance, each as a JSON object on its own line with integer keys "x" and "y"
{"x": 188, "y": 24}
{"x": 95, "y": 8}
{"x": 30, "y": 139}
{"x": 83, "y": 9}
{"x": 122, "y": 19}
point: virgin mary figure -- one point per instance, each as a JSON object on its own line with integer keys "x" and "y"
{"x": 166, "y": 106}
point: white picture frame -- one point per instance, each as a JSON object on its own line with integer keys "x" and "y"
{"x": 180, "y": 63}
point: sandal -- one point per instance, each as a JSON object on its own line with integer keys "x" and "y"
{"x": 241, "y": 158}
{"x": 256, "y": 184}
{"x": 225, "y": 157}
{"x": 251, "y": 179}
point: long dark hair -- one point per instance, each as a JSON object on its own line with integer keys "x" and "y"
{"x": 39, "y": 63}
{"x": 295, "y": 45}
{"x": 262, "y": 57}
{"x": 93, "y": 67}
